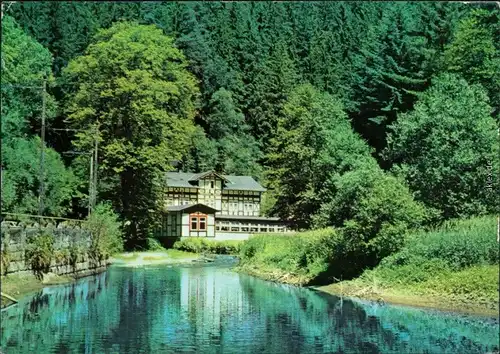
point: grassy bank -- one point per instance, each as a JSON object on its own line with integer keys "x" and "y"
{"x": 473, "y": 290}
{"x": 298, "y": 259}
{"x": 453, "y": 267}
{"x": 18, "y": 286}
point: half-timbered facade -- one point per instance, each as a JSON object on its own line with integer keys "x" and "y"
{"x": 214, "y": 205}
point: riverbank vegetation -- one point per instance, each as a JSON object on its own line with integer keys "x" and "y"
{"x": 321, "y": 102}
{"x": 452, "y": 266}
{"x": 203, "y": 246}
{"x": 18, "y": 286}
{"x": 372, "y": 126}
{"x": 43, "y": 252}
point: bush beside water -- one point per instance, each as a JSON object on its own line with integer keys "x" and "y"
{"x": 458, "y": 259}
{"x": 305, "y": 256}
{"x": 201, "y": 245}
{"x": 106, "y": 239}
{"x": 453, "y": 247}
{"x": 458, "y": 243}
{"x": 153, "y": 244}
{"x": 106, "y": 232}
{"x": 457, "y": 263}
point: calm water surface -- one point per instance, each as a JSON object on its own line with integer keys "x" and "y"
{"x": 210, "y": 309}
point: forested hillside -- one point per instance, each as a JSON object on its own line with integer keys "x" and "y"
{"x": 338, "y": 108}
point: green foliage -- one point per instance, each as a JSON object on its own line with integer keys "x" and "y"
{"x": 474, "y": 52}
{"x": 39, "y": 252}
{"x": 106, "y": 234}
{"x": 22, "y": 106}
{"x": 420, "y": 270}
{"x": 21, "y": 179}
{"x": 77, "y": 254}
{"x": 4, "y": 254}
{"x": 270, "y": 87}
{"x": 446, "y": 148}
{"x": 154, "y": 245}
{"x": 200, "y": 245}
{"x": 237, "y": 152}
{"x": 4, "y": 261}
{"x": 375, "y": 211}
{"x": 62, "y": 256}
{"x": 477, "y": 284}
{"x": 395, "y": 61}
{"x": 22, "y": 76}
{"x": 314, "y": 144}
{"x": 458, "y": 243}
{"x": 202, "y": 153}
{"x": 456, "y": 263}
{"x": 307, "y": 254}
{"x": 133, "y": 86}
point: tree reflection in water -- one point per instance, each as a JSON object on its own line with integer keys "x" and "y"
{"x": 212, "y": 310}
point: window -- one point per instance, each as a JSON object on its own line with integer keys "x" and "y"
{"x": 212, "y": 184}
{"x": 202, "y": 224}
{"x": 194, "y": 223}
{"x": 198, "y": 222}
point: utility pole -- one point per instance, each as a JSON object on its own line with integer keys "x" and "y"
{"x": 42, "y": 153}
{"x": 91, "y": 184}
{"x": 96, "y": 164}
{"x": 93, "y": 165}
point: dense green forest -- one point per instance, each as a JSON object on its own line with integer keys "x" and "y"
{"x": 375, "y": 116}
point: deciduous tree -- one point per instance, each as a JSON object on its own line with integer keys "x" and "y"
{"x": 446, "y": 147}
{"x": 132, "y": 85}
{"x": 314, "y": 144}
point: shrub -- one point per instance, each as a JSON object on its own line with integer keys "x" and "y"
{"x": 106, "y": 234}
{"x": 4, "y": 261}
{"x": 154, "y": 245}
{"x": 459, "y": 243}
{"x": 62, "y": 256}
{"x": 447, "y": 259}
{"x": 76, "y": 255}
{"x": 308, "y": 254}
{"x": 418, "y": 271}
{"x": 479, "y": 283}
{"x": 201, "y": 245}
{"x": 39, "y": 252}
{"x": 375, "y": 211}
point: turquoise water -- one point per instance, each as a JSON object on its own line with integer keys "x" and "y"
{"x": 210, "y": 309}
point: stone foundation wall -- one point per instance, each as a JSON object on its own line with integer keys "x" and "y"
{"x": 15, "y": 239}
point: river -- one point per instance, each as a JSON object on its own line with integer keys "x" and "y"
{"x": 211, "y": 309}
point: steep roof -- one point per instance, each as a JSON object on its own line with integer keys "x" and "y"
{"x": 197, "y": 176}
{"x": 243, "y": 183}
{"x": 186, "y": 179}
{"x": 192, "y": 207}
{"x": 180, "y": 179}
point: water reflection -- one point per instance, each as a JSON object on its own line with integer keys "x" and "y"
{"x": 214, "y": 310}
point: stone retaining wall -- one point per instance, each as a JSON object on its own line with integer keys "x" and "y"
{"x": 14, "y": 241}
